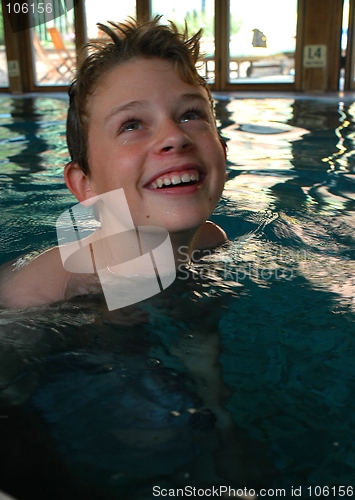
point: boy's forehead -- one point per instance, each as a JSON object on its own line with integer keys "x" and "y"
{"x": 132, "y": 105}
{"x": 136, "y": 74}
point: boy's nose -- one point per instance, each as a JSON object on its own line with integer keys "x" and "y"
{"x": 172, "y": 138}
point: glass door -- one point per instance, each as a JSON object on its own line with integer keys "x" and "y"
{"x": 53, "y": 43}
{"x": 262, "y": 41}
{"x": 197, "y": 14}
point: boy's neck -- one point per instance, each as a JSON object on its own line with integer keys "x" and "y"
{"x": 184, "y": 244}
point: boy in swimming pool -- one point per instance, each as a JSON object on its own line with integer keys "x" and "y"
{"x": 140, "y": 119}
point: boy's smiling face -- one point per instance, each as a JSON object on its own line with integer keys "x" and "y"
{"x": 148, "y": 128}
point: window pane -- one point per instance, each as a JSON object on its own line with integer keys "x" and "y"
{"x": 54, "y": 46}
{"x": 4, "y": 77}
{"x": 262, "y": 41}
{"x": 198, "y": 14}
{"x": 101, "y": 11}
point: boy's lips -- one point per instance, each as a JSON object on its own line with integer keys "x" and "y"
{"x": 183, "y": 176}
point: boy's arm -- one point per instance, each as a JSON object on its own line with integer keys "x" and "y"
{"x": 42, "y": 280}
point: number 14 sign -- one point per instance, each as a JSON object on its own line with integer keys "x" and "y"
{"x": 315, "y": 56}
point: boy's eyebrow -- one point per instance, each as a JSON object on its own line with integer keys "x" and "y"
{"x": 125, "y": 107}
{"x": 193, "y": 96}
{"x": 142, "y": 103}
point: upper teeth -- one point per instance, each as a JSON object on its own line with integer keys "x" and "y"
{"x": 175, "y": 179}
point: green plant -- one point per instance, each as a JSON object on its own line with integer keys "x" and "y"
{"x": 235, "y": 25}
{"x": 196, "y": 20}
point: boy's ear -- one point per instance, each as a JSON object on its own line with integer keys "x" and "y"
{"x": 77, "y": 182}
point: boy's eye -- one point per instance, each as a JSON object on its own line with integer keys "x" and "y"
{"x": 131, "y": 125}
{"x": 192, "y": 114}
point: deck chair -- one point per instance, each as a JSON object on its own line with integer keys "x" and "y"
{"x": 53, "y": 73}
{"x": 67, "y": 63}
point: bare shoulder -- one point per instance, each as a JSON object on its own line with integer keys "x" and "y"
{"x": 33, "y": 281}
{"x": 210, "y": 236}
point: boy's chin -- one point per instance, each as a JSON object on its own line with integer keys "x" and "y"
{"x": 175, "y": 226}
{"x": 184, "y": 234}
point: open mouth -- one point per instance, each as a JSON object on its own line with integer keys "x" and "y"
{"x": 186, "y": 178}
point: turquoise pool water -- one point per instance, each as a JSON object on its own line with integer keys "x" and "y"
{"x": 241, "y": 374}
